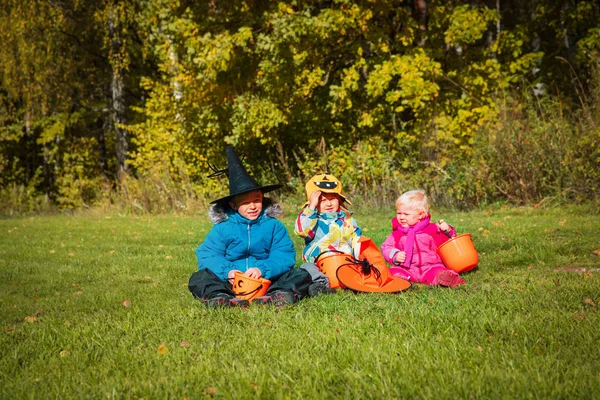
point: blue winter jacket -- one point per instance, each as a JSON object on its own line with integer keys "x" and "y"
{"x": 238, "y": 243}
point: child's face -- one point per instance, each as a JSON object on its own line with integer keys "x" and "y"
{"x": 249, "y": 205}
{"x": 329, "y": 202}
{"x": 408, "y": 216}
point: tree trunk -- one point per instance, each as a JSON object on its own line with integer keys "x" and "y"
{"x": 102, "y": 154}
{"x": 421, "y": 15}
{"x": 118, "y": 103}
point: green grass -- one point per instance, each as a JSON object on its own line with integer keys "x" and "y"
{"x": 96, "y": 306}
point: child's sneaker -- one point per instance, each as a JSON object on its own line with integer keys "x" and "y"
{"x": 226, "y": 300}
{"x": 317, "y": 289}
{"x": 449, "y": 279}
{"x": 278, "y": 299}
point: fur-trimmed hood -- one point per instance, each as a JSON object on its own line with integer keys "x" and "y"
{"x": 218, "y": 213}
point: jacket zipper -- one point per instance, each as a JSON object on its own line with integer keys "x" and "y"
{"x": 248, "y": 249}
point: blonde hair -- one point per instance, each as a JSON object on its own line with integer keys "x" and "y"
{"x": 415, "y": 199}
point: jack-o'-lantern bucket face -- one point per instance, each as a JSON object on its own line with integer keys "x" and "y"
{"x": 247, "y": 288}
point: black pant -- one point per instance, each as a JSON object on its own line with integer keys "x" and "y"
{"x": 204, "y": 284}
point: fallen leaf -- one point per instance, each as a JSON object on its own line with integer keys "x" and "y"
{"x": 64, "y": 353}
{"x": 579, "y": 316}
{"x": 78, "y": 292}
{"x": 52, "y": 251}
{"x": 162, "y": 349}
{"x": 210, "y": 391}
{"x": 267, "y": 324}
{"x": 590, "y": 302}
{"x": 111, "y": 252}
{"x": 126, "y": 303}
{"x": 30, "y": 319}
{"x": 67, "y": 324}
{"x": 71, "y": 254}
{"x": 596, "y": 252}
{"x": 184, "y": 344}
{"x": 255, "y": 386}
{"x": 168, "y": 257}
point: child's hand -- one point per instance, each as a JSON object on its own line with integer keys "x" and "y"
{"x": 400, "y": 257}
{"x": 253, "y": 273}
{"x": 443, "y": 225}
{"x": 231, "y": 273}
{"x": 314, "y": 199}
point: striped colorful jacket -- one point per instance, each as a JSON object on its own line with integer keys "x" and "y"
{"x": 327, "y": 231}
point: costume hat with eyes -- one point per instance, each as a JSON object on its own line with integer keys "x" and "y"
{"x": 325, "y": 183}
{"x": 240, "y": 181}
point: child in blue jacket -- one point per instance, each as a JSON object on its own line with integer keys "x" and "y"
{"x": 247, "y": 238}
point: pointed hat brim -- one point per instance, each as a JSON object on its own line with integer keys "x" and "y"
{"x": 263, "y": 189}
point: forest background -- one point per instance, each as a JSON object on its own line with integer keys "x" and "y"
{"x": 107, "y": 103}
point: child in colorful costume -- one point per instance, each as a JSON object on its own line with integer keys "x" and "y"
{"x": 247, "y": 238}
{"x": 326, "y": 225}
{"x": 411, "y": 247}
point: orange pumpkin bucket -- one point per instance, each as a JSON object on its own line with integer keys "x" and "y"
{"x": 328, "y": 262}
{"x": 459, "y": 253}
{"x": 247, "y": 288}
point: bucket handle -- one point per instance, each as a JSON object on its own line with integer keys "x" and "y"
{"x": 364, "y": 264}
{"x": 328, "y": 251}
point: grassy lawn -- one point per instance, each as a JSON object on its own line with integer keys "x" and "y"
{"x": 96, "y": 306}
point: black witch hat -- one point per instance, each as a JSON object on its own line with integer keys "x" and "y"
{"x": 239, "y": 180}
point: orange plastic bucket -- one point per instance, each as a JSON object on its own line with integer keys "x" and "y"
{"x": 459, "y": 253}
{"x": 247, "y": 288}
{"x": 329, "y": 262}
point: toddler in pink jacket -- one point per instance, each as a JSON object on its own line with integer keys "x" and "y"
{"x": 411, "y": 247}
